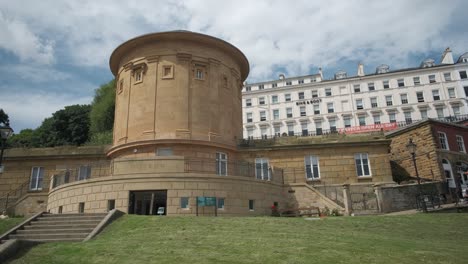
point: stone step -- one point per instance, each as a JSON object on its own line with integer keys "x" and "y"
{"x": 44, "y": 240}
{"x": 65, "y": 222}
{"x": 56, "y": 230}
{"x": 62, "y": 226}
{"x": 84, "y": 214}
{"x": 50, "y": 236}
{"x": 69, "y": 218}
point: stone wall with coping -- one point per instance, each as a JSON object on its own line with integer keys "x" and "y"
{"x": 237, "y": 192}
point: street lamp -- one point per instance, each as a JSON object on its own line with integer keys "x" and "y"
{"x": 5, "y": 132}
{"x": 411, "y": 147}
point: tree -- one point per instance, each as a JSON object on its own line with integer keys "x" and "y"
{"x": 21, "y": 140}
{"x": 69, "y": 126}
{"x": 102, "y": 108}
{"x": 4, "y": 120}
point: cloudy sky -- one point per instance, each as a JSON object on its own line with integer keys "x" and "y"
{"x": 55, "y": 53}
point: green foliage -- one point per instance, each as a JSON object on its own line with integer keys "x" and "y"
{"x": 399, "y": 173}
{"x": 102, "y": 109}
{"x": 102, "y": 138}
{"x": 4, "y": 120}
{"x": 69, "y": 126}
{"x": 21, "y": 140}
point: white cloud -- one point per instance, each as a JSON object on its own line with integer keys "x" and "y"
{"x": 48, "y": 36}
{"x": 18, "y": 38}
{"x": 296, "y": 36}
{"x": 34, "y": 73}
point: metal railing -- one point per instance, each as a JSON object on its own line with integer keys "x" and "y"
{"x": 80, "y": 173}
{"x": 326, "y": 132}
{"x": 236, "y": 168}
{"x": 211, "y": 167}
{"x": 8, "y": 200}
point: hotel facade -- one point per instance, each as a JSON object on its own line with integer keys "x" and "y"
{"x": 383, "y": 100}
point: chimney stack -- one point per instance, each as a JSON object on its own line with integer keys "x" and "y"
{"x": 360, "y": 70}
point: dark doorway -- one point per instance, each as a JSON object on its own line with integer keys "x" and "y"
{"x": 147, "y": 202}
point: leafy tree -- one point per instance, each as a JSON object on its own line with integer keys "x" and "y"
{"x": 21, "y": 140}
{"x": 4, "y": 120}
{"x": 102, "y": 108}
{"x": 69, "y": 126}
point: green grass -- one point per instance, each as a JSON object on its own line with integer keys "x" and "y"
{"x": 7, "y": 224}
{"x": 431, "y": 238}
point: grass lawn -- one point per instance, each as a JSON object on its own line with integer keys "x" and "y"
{"x": 430, "y": 238}
{"x": 7, "y": 224}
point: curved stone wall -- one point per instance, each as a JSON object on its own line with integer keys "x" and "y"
{"x": 237, "y": 191}
{"x": 177, "y": 86}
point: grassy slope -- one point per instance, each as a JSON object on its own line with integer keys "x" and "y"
{"x": 441, "y": 238}
{"x": 7, "y": 224}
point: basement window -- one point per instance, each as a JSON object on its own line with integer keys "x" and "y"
{"x": 81, "y": 208}
{"x": 110, "y": 205}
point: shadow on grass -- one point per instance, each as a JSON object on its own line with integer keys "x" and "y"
{"x": 24, "y": 248}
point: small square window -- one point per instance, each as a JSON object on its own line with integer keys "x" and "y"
{"x": 168, "y": 71}
{"x": 447, "y": 76}
{"x": 357, "y": 88}
{"x": 184, "y": 202}
{"x": 462, "y": 75}
{"x": 251, "y": 205}
{"x": 289, "y": 83}
{"x": 401, "y": 82}
{"x": 416, "y": 80}
{"x": 432, "y": 78}
{"x": 261, "y": 87}
{"x": 386, "y": 84}
{"x": 164, "y": 152}
{"x": 138, "y": 76}
{"x": 199, "y": 74}
{"x": 121, "y": 86}
{"x": 287, "y": 97}
{"x": 110, "y": 205}
{"x": 81, "y": 207}
{"x": 220, "y": 203}
{"x": 301, "y": 95}
{"x": 328, "y": 92}
{"x": 371, "y": 86}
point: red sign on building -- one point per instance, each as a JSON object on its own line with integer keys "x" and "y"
{"x": 368, "y": 128}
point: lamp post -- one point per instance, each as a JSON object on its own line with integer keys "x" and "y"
{"x": 411, "y": 147}
{"x": 5, "y": 132}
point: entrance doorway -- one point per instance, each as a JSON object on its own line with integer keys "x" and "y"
{"x": 151, "y": 202}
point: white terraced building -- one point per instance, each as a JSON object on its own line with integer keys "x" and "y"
{"x": 384, "y": 100}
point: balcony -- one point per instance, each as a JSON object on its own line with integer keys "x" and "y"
{"x": 170, "y": 165}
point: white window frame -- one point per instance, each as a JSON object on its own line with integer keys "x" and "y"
{"x": 404, "y": 98}
{"x": 274, "y": 99}
{"x": 435, "y": 93}
{"x": 221, "y": 162}
{"x": 361, "y": 157}
{"x": 359, "y": 104}
{"x": 287, "y": 97}
{"x": 417, "y": 80}
{"x": 432, "y": 78}
{"x": 443, "y": 140}
{"x": 261, "y": 100}
{"x": 330, "y": 107}
{"x": 263, "y": 116}
{"x": 302, "y": 111}
{"x": 289, "y": 113}
{"x": 328, "y": 92}
{"x": 276, "y": 114}
{"x": 422, "y": 97}
{"x": 264, "y": 165}
{"x": 301, "y": 95}
{"x": 248, "y": 102}
{"x": 461, "y": 144}
{"x": 37, "y": 179}
{"x": 371, "y": 86}
{"x": 451, "y": 92}
{"x": 199, "y": 75}
{"x": 447, "y": 76}
{"x": 313, "y": 162}
{"x": 374, "y": 103}
{"x": 388, "y": 102}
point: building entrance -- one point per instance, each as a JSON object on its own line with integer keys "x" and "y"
{"x": 148, "y": 202}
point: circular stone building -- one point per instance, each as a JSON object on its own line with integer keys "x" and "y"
{"x": 178, "y": 119}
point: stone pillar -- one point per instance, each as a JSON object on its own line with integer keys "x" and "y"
{"x": 379, "y": 195}
{"x": 347, "y": 200}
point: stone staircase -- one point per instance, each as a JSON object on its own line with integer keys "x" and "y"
{"x": 59, "y": 228}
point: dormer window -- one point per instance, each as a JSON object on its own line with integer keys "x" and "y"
{"x": 428, "y": 63}
{"x": 382, "y": 69}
